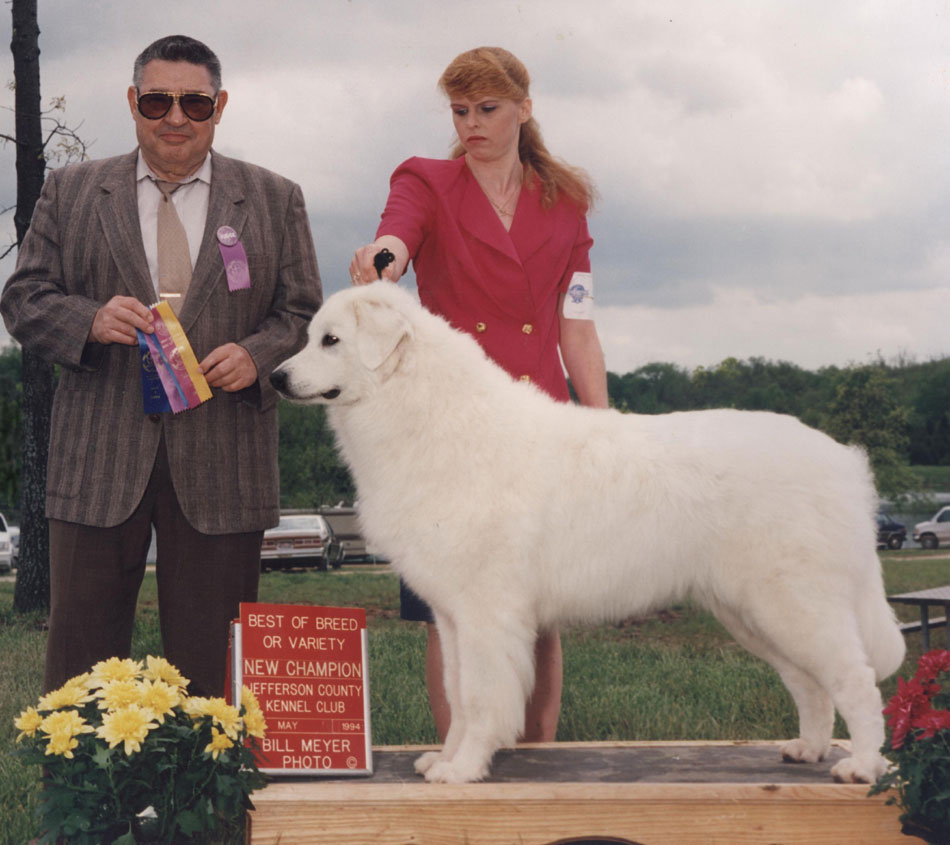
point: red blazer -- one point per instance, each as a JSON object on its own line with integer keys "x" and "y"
{"x": 500, "y": 286}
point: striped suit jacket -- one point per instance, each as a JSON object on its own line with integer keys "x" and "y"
{"x": 83, "y": 247}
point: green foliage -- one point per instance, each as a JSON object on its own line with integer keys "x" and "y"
{"x": 866, "y": 410}
{"x": 311, "y": 472}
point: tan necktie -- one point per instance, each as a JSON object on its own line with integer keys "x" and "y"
{"x": 174, "y": 257}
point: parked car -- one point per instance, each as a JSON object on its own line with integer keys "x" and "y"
{"x": 15, "y": 543}
{"x": 348, "y": 543}
{"x": 890, "y": 534}
{"x": 299, "y": 540}
{"x": 6, "y": 546}
{"x": 932, "y": 533}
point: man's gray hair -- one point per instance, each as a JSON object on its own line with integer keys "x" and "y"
{"x": 178, "y": 48}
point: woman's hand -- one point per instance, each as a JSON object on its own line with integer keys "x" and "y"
{"x": 362, "y": 270}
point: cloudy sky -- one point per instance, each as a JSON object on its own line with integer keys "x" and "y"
{"x": 774, "y": 174}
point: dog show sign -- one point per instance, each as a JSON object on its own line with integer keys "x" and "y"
{"x": 308, "y": 668}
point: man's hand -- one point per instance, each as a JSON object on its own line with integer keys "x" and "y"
{"x": 229, "y": 367}
{"x": 118, "y": 319}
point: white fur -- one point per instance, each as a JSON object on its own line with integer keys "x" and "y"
{"x": 511, "y": 514}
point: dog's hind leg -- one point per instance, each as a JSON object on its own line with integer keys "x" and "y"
{"x": 829, "y": 663}
{"x": 495, "y": 674}
{"x": 816, "y": 712}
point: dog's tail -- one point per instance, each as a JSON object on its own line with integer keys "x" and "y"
{"x": 883, "y": 640}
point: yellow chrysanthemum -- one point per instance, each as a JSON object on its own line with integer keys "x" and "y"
{"x": 219, "y": 742}
{"x": 80, "y": 681}
{"x": 115, "y": 669}
{"x": 69, "y": 695}
{"x": 248, "y": 699}
{"x": 160, "y": 698}
{"x": 255, "y": 723}
{"x": 62, "y": 727}
{"x": 62, "y": 745}
{"x": 129, "y": 725}
{"x": 27, "y": 723}
{"x": 224, "y": 714}
{"x": 254, "y": 720}
{"x": 159, "y": 669}
{"x": 195, "y": 706}
{"x": 117, "y": 694}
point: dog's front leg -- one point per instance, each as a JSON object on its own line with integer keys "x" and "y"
{"x": 494, "y": 665}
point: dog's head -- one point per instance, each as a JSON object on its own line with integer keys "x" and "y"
{"x": 353, "y": 344}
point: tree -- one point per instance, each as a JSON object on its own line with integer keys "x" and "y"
{"x": 11, "y": 429}
{"x": 32, "y": 584}
{"x": 866, "y": 411}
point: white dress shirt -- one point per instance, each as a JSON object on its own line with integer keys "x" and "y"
{"x": 191, "y": 203}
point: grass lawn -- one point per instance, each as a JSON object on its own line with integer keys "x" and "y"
{"x": 676, "y": 675}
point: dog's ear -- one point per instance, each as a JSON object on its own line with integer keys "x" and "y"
{"x": 380, "y": 329}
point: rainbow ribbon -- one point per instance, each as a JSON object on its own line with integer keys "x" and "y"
{"x": 171, "y": 380}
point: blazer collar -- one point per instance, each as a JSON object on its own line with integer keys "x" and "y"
{"x": 530, "y": 228}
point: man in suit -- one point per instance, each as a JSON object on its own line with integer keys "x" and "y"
{"x": 206, "y": 478}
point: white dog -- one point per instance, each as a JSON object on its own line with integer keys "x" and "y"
{"x": 511, "y": 514}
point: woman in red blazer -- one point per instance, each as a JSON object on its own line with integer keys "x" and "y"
{"x": 499, "y": 243}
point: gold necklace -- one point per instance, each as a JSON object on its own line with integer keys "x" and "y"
{"x": 501, "y": 209}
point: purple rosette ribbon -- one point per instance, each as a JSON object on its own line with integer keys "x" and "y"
{"x": 235, "y": 259}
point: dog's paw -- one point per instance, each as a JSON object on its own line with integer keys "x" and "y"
{"x": 859, "y": 769}
{"x": 801, "y": 751}
{"x": 447, "y": 771}
{"x": 425, "y": 762}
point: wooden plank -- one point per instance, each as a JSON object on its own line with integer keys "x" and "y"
{"x": 912, "y": 627}
{"x": 657, "y": 793}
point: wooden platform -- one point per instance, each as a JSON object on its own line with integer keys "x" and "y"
{"x": 649, "y": 793}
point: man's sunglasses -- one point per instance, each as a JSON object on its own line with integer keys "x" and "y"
{"x": 156, "y": 104}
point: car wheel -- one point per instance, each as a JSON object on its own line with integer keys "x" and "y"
{"x": 929, "y": 541}
{"x": 895, "y": 541}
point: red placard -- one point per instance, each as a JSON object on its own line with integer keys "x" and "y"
{"x": 308, "y": 668}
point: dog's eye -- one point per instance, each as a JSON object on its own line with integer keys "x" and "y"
{"x": 330, "y": 340}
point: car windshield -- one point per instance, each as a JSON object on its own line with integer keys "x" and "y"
{"x": 300, "y": 523}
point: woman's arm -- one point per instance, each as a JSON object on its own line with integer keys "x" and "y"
{"x": 583, "y": 358}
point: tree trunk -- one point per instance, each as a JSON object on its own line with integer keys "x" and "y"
{"x": 32, "y": 583}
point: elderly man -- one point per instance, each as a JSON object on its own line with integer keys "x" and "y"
{"x": 107, "y": 239}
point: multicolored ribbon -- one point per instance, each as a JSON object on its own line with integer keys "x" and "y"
{"x": 171, "y": 380}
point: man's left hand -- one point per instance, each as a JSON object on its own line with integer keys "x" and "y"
{"x": 229, "y": 367}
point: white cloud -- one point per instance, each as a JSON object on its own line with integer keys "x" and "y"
{"x": 812, "y": 331}
{"x": 764, "y": 165}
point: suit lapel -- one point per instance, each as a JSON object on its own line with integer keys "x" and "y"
{"x": 225, "y": 208}
{"x": 119, "y": 214}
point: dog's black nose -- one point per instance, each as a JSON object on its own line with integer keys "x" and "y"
{"x": 278, "y": 379}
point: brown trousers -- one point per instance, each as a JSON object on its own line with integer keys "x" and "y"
{"x": 95, "y": 575}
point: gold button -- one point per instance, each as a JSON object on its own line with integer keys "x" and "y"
{"x": 480, "y": 327}
{"x": 527, "y": 328}
{"x": 525, "y": 378}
